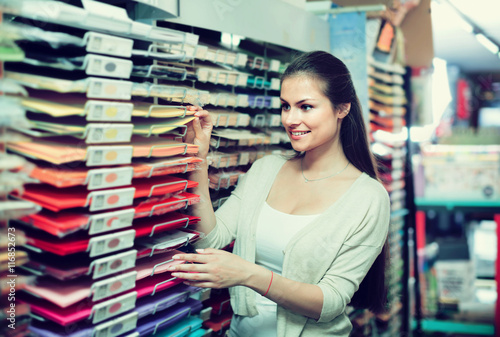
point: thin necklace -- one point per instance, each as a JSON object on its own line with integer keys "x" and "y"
{"x": 308, "y": 180}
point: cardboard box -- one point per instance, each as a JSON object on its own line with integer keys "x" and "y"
{"x": 417, "y": 30}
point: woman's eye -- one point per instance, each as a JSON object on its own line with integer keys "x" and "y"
{"x": 306, "y": 107}
{"x": 285, "y": 107}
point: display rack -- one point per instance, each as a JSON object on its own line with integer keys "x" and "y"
{"x": 489, "y": 208}
{"x": 108, "y": 167}
{"x": 391, "y": 149}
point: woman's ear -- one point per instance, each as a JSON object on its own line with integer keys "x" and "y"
{"x": 344, "y": 109}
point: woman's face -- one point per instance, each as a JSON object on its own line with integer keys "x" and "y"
{"x": 307, "y": 114}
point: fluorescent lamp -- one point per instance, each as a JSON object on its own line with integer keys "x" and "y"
{"x": 440, "y": 92}
{"x": 487, "y": 43}
{"x": 465, "y": 25}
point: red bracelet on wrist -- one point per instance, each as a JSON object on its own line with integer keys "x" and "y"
{"x": 272, "y": 274}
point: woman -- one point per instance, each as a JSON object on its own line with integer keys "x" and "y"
{"x": 307, "y": 229}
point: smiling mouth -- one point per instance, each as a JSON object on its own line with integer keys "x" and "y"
{"x": 300, "y": 133}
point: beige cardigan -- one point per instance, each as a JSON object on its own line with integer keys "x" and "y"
{"x": 334, "y": 252}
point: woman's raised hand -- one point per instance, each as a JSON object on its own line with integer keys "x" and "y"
{"x": 199, "y": 130}
{"x": 212, "y": 268}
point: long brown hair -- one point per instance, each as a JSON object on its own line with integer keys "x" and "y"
{"x": 339, "y": 88}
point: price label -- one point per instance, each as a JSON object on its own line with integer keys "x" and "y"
{"x": 274, "y": 65}
{"x": 275, "y": 84}
{"x": 242, "y": 80}
{"x": 99, "y": 65}
{"x": 109, "y": 155}
{"x": 113, "y": 285}
{"x": 274, "y": 120}
{"x": 241, "y": 101}
{"x": 105, "y": 222}
{"x": 109, "y": 177}
{"x": 106, "y": 199}
{"x": 107, "y": 88}
{"x": 275, "y": 103}
{"x": 113, "y": 307}
{"x": 241, "y": 60}
{"x": 117, "y": 326}
{"x": 202, "y": 295}
{"x": 113, "y": 264}
{"x": 244, "y": 158}
{"x": 275, "y": 137}
{"x": 109, "y": 243}
{"x": 101, "y": 111}
{"x": 205, "y": 313}
{"x": 109, "y": 45}
{"x": 108, "y": 133}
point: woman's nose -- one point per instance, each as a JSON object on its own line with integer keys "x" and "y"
{"x": 292, "y": 117}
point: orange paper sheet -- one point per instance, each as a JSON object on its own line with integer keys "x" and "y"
{"x": 67, "y": 149}
{"x": 67, "y": 177}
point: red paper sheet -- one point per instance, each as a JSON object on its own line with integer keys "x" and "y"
{"x": 69, "y": 221}
{"x": 74, "y": 176}
{"x": 82, "y": 311}
{"x": 67, "y": 293}
{"x": 57, "y": 199}
{"x": 142, "y": 227}
{"x": 59, "y": 267}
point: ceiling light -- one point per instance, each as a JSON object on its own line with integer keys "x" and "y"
{"x": 465, "y": 25}
{"x": 470, "y": 26}
{"x": 487, "y": 43}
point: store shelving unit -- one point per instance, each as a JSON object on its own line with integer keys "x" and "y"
{"x": 489, "y": 208}
{"x": 433, "y": 325}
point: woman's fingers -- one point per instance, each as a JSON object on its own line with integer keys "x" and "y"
{"x": 197, "y": 126}
{"x": 199, "y": 130}
{"x": 202, "y": 256}
{"x": 190, "y": 134}
{"x": 194, "y": 108}
{"x": 202, "y": 280}
{"x": 205, "y": 121}
{"x": 190, "y": 258}
{"x": 190, "y": 268}
{"x": 196, "y": 274}
{"x": 193, "y": 276}
{"x": 201, "y": 113}
{"x": 218, "y": 268}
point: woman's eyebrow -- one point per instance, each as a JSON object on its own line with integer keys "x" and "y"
{"x": 299, "y": 102}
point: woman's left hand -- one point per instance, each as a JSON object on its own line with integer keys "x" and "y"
{"x": 212, "y": 268}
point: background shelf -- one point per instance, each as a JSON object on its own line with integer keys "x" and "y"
{"x": 423, "y": 203}
{"x": 433, "y": 325}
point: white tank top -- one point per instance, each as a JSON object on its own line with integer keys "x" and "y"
{"x": 274, "y": 231}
